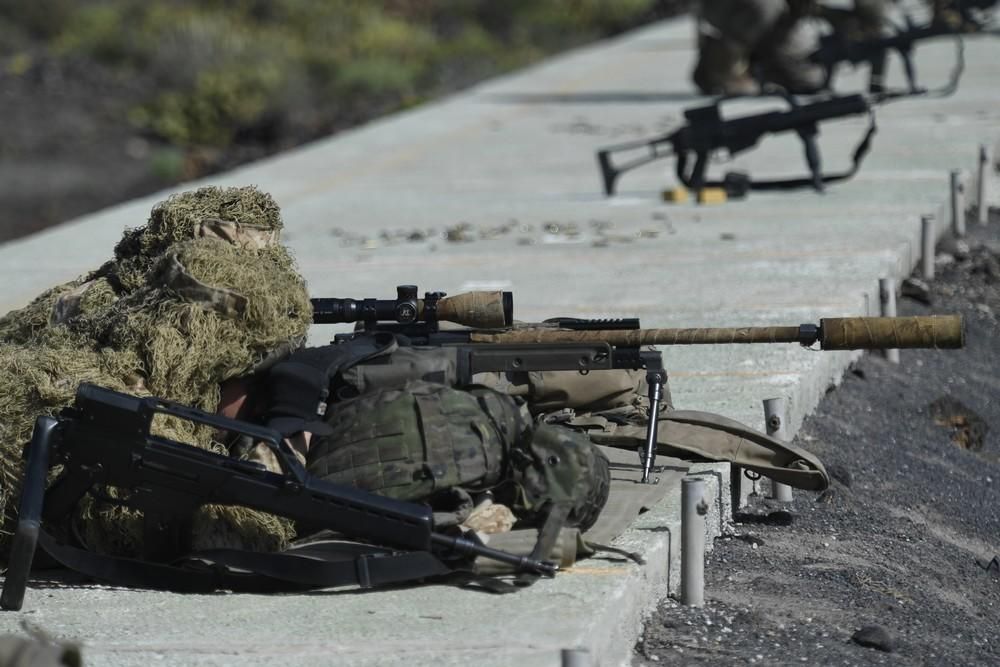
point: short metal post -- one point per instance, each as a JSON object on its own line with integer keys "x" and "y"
{"x": 775, "y": 413}
{"x": 693, "y": 510}
{"x": 983, "y": 183}
{"x": 957, "y": 203}
{"x": 928, "y": 242}
{"x": 887, "y": 301}
{"x": 576, "y": 657}
{"x": 742, "y": 486}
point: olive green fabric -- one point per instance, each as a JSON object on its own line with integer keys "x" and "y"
{"x": 565, "y": 468}
{"x": 422, "y": 438}
{"x": 596, "y": 391}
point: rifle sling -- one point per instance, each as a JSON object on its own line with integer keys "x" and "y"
{"x": 860, "y": 151}
{"x": 323, "y": 566}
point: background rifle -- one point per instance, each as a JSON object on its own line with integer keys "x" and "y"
{"x": 952, "y": 19}
{"x": 491, "y": 342}
{"x": 836, "y": 49}
{"x": 706, "y": 132}
{"x": 104, "y": 439}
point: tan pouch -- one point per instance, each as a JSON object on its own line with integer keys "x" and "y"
{"x": 683, "y": 433}
{"x": 550, "y": 391}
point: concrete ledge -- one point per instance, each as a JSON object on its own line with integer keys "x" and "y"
{"x": 598, "y": 605}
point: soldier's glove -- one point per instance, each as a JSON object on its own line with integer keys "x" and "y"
{"x": 297, "y": 395}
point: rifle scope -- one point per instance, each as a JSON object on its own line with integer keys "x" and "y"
{"x": 484, "y": 310}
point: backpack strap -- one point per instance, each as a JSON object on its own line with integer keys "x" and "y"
{"x": 548, "y": 535}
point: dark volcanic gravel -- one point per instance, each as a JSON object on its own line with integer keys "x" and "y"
{"x": 896, "y": 554}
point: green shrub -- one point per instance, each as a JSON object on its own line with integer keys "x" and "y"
{"x": 222, "y": 103}
{"x": 219, "y": 68}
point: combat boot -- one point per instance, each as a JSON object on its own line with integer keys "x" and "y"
{"x": 723, "y": 68}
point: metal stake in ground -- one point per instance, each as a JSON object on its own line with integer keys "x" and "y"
{"x": 693, "y": 510}
{"x": 775, "y": 411}
{"x": 887, "y": 301}
{"x": 928, "y": 241}
{"x": 576, "y": 657}
{"x": 982, "y": 183}
{"x": 957, "y": 204}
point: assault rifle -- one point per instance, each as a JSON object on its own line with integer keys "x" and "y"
{"x": 105, "y": 439}
{"x": 490, "y": 341}
{"x": 706, "y": 132}
{"x": 836, "y": 49}
{"x": 960, "y": 17}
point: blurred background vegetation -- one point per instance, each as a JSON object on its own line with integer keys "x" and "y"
{"x": 202, "y": 85}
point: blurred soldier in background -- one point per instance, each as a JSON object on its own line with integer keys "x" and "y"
{"x": 742, "y": 42}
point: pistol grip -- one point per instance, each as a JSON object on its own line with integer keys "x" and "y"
{"x": 608, "y": 173}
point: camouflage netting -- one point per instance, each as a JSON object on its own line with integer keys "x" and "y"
{"x": 183, "y": 217}
{"x": 203, "y": 293}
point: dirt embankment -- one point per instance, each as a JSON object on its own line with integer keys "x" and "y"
{"x": 104, "y": 101}
{"x": 903, "y": 545}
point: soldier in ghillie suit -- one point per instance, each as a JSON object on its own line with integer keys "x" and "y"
{"x": 204, "y": 307}
{"x": 200, "y": 294}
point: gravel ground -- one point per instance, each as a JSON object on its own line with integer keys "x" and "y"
{"x": 900, "y": 546}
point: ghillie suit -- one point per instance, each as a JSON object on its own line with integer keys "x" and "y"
{"x": 200, "y": 294}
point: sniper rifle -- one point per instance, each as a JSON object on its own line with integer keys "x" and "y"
{"x": 705, "y": 132}
{"x": 105, "y": 439}
{"x": 490, "y": 341}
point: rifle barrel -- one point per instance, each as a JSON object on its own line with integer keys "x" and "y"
{"x": 801, "y": 116}
{"x": 844, "y": 333}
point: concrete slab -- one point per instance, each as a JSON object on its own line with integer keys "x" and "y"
{"x": 597, "y": 605}
{"x": 520, "y": 149}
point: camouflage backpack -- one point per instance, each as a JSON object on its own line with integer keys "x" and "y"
{"x": 421, "y": 440}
